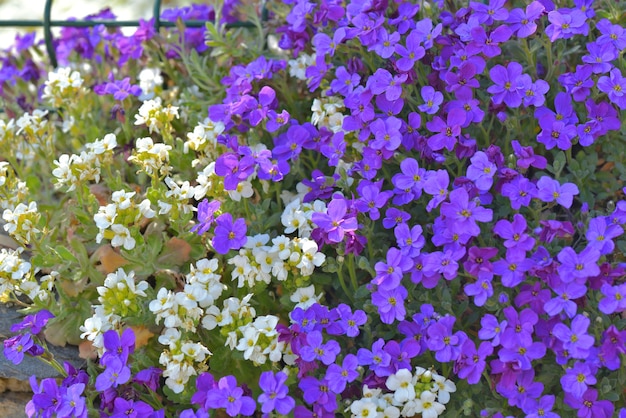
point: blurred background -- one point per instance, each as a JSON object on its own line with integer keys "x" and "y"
{"x": 63, "y": 9}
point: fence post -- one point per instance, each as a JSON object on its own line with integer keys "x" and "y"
{"x": 47, "y": 33}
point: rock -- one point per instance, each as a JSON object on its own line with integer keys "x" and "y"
{"x": 31, "y": 365}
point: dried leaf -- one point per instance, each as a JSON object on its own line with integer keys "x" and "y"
{"x": 176, "y": 252}
{"x": 110, "y": 260}
{"x": 142, "y": 335}
{"x": 87, "y": 351}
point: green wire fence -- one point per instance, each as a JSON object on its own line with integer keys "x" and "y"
{"x": 47, "y": 23}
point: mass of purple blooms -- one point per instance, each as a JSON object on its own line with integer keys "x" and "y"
{"x": 458, "y": 239}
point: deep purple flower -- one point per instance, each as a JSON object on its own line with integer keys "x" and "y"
{"x": 526, "y": 156}
{"x": 229, "y": 235}
{"x": 350, "y": 321}
{"x": 519, "y": 328}
{"x": 540, "y": 408}
{"x": 234, "y": 170}
{"x": 395, "y": 216}
{"x": 275, "y": 393}
{"x": 578, "y": 83}
{"x": 130, "y": 408}
{"x": 556, "y": 133}
{"x": 34, "y": 323}
{"x": 377, "y": 359}
{"x": 118, "y": 346}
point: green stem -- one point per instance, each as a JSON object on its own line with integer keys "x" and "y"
{"x": 342, "y": 282}
{"x": 352, "y": 271}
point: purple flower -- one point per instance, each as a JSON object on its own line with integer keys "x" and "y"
{"x": 615, "y": 87}
{"x": 541, "y": 408}
{"x": 72, "y": 403}
{"x": 317, "y": 350}
{"x": 318, "y": 392}
{"x": 410, "y": 241}
{"x": 432, "y": 100}
{"x": 334, "y": 222}
{"x": 495, "y": 10}
{"x": 386, "y": 43}
{"x": 395, "y": 216}
{"x": 550, "y": 190}
{"x": 446, "y": 132}
{"x": 350, "y": 321}
{"x": 441, "y": 340}
{"x": 382, "y": 81}
{"x": 600, "y": 57}
{"x": 614, "y": 298}
{"x": 35, "y": 323}
{"x": 462, "y": 213}
{"x": 229, "y": 235}
{"x": 611, "y": 34}
{"x": 275, "y": 393}
{"x": 338, "y": 376}
{"x": 481, "y": 171}
{"x": 124, "y": 408}
{"x": 507, "y": 84}
{"x": 344, "y": 82}
{"x": 436, "y": 185}
{"x": 589, "y": 406}
{"x": 233, "y": 170}
{"x": 578, "y": 266}
{"x": 523, "y": 22}
{"x": 575, "y": 339}
{"x": 15, "y": 347}
{"x": 389, "y": 274}
{"x": 556, "y": 133}
{"x": 390, "y": 303}
{"x": 386, "y": 134}
{"x": 471, "y": 362}
{"x": 118, "y": 346}
{"x": 377, "y": 359}
{"x": 229, "y": 396}
{"x": 600, "y": 233}
{"x": 526, "y": 157}
{"x": 567, "y": 24}
{"x": 578, "y": 83}
{"x": 514, "y": 234}
{"x": 121, "y": 89}
{"x": 206, "y": 216}
{"x": 513, "y": 268}
{"x": 487, "y": 43}
{"x": 115, "y": 373}
{"x": 576, "y": 379}
{"x": 519, "y": 328}
{"x": 481, "y": 289}
{"x": 491, "y": 329}
{"x": 564, "y": 301}
{"x": 411, "y": 53}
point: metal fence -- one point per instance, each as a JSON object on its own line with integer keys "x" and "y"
{"x": 47, "y": 24}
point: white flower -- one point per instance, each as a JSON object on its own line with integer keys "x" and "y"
{"x": 248, "y": 342}
{"x": 428, "y": 406}
{"x": 443, "y": 387}
{"x": 363, "y": 408}
{"x": 244, "y": 189}
{"x": 311, "y": 258}
{"x": 305, "y": 297}
{"x": 122, "y": 199}
{"x": 145, "y": 209}
{"x": 402, "y": 385}
{"x": 195, "y": 351}
{"x": 122, "y": 237}
{"x": 105, "y": 216}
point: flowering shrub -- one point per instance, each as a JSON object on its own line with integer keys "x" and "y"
{"x": 360, "y": 208}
